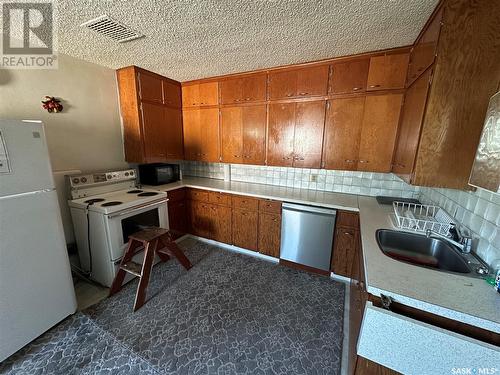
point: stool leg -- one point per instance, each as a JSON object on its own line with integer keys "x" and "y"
{"x": 176, "y": 251}
{"x": 120, "y": 276}
{"x": 149, "y": 255}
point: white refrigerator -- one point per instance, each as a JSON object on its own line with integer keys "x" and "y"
{"x": 36, "y": 288}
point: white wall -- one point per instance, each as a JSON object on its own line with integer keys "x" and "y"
{"x": 87, "y": 134}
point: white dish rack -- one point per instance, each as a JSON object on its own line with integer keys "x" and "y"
{"x": 421, "y": 217}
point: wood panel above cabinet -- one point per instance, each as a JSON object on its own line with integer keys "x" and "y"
{"x": 152, "y": 120}
{"x": 298, "y": 83}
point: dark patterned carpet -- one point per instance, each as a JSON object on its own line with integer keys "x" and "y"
{"x": 230, "y": 314}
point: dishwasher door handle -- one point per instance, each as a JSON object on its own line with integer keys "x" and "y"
{"x": 312, "y": 209}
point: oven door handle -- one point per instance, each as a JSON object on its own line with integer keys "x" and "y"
{"x": 126, "y": 212}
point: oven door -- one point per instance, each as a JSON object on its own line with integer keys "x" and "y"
{"x": 122, "y": 224}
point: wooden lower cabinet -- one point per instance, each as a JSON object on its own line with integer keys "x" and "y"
{"x": 221, "y": 229}
{"x": 344, "y": 247}
{"x": 177, "y": 218}
{"x": 200, "y": 220}
{"x": 245, "y": 229}
{"x": 269, "y": 234}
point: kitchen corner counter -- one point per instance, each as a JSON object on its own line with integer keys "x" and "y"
{"x": 338, "y": 201}
{"x": 465, "y": 299}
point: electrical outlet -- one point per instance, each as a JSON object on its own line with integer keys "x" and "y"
{"x": 313, "y": 178}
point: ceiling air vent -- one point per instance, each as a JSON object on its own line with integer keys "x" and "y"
{"x": 115, "y": 30}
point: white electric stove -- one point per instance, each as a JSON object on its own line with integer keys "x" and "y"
{"x": 106, "y": 208}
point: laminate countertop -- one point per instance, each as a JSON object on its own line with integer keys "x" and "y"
{"x": 461, "y": 298}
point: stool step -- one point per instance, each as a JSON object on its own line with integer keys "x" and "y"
{"x": 132, "y": 267}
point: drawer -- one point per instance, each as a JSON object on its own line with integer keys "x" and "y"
{"x": 347, "y": 219}
{"x": 246, "y": 203}
{"x": 197, "y": 195}
{"x": 219, "y": 198}
{"x": 270, "y": 206}
{"x": 176, "y": 195}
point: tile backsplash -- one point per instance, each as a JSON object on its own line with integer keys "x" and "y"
{"x": 479, "y": 211}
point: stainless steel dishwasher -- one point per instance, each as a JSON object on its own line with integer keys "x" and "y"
{"x": 307, "y": 235}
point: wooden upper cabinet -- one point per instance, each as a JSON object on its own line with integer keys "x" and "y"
{"x": 200, "y": 94}
{"x": 303, "y": 82}
{"x": 280, "y": 138}
{"x": 295, "y": 134}
{"x": 201, "y": 134}
{"x": 409, "y": 129}
{"x": 387, "y": 72}
{"x": 171, "y": 93}
{"x": 150, "y": 87}
{"x": 192, "y": 134}
{"x": 424, "y": 52}
{"x": 344, "y": 118}
{"x": 308, "y": 134}
{"x": 349, "y": 76}
{"x": 243, "y": 89}
{"x": 243, "y": 134}
{"x": 173, "y": 136}
{"x": 151, "y": 113}
{"x": 378, "y": 132}
{"x": 153, "y": 120}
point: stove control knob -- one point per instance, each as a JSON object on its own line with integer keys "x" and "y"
{"x": 83, "y": 180}
{"x": 76, "y": 180}
{"x": 126, "y": 173}
{"x": 109, "y": 176}
{"x": 131, "y": 173}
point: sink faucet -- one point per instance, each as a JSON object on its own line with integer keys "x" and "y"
{"x": 455, "y": 237}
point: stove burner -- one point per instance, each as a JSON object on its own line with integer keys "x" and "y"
{"x": 94, "y": 200}
{"x": 147, "y": 194}
{"x": 112, "y": 203}
{"x": 134, "y": 191}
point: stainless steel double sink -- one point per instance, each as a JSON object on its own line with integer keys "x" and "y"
{"x": 429, "y": 252}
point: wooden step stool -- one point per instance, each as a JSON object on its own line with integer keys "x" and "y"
{"x": 147, "y": 240}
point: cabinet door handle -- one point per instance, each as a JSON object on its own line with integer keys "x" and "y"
{"x": 247, "y": 99}
{"x": 303, "y": 93}
{"x": 356, "y": 88}
{"x": 350, "y": 160}
{"x": 236, "y": 156}
{"x": 364, "y": 161}
{"x": 286, "y": 157}
{"x": 348, "y": 234}
{"x": 289, "y": 94}
{"x": 373, "y": 86}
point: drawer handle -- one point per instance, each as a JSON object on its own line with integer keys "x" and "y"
{"x": 373, "y": 86}
{"x": 350, "y": 160}
{"x": 286, "y": 158}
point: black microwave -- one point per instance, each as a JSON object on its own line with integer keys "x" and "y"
{"x": 158, "y": 173}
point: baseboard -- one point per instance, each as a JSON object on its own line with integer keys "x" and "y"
{"x": 344, "y": 279}
{"x": 233, "y": 248}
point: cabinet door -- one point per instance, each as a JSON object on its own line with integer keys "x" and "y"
{"x": 388, "y": 72}
{"x": 378, "y": 132}
{"x": 171, "y": 94}
{"x": 254, "y": 87}
{"x": 308, "y": 135}
{"x": 192, "y": 134}
{"x": 177, "y": 217}
{"x": 153, "y": 123}
{"x": 200, "y": 219}
{"x": 423, "y": 54}
{"x": 245, "y": 229}
{"x": 209, "y": 125}
{"x": 311, "y": 81}
{"x": 280, "y": 139}
{"x": 232, "y": 134}
{"x": 231, "y": 91}
{"x": 411, "y": 123}
{"x": 349, "y": 76}
{"x": 200, "y": 94}
{"x": 173, "y": 133}
{"x": 270, "y": 234}
{"x": 344, "y": 118}
{"x": 254, "y": 120}
{"x": 221, "y": 217}
{"x": 150, "y": 87}
{"x": 344, "y": 249}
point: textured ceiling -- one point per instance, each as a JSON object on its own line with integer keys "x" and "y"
{"x": 189, "y": 39}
